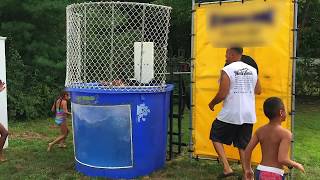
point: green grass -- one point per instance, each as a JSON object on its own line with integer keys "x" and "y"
{"x": 307, "y": 138}
{"x": 28, "y": 158}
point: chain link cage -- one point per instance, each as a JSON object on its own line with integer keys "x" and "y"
{"x": 119, "y": 46}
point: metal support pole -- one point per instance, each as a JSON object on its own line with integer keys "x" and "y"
{"x": 142, "y": 41}
{"x": 191, "y": 79}
{"x": 112, "y": 45}
{"x": 171, "y": 115}
{"x": 294, "y": 53}
{"x": 180, "y": 113}
{"x": 85, "y": 47}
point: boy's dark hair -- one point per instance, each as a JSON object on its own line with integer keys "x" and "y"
{"x": 239, "y": 50}
{"x": 272, "y": 106}
{"x": 250, "y": 61}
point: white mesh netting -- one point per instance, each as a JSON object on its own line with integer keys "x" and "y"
{"x": 117, "y": 45}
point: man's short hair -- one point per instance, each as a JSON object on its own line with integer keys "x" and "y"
{"x": 272, "y": 106}
{"x": 238, "y": 50}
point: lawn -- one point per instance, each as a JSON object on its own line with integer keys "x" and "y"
{"x": 28, "y": 158}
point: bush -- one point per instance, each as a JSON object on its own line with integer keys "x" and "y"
{"x": 308, "y": 77}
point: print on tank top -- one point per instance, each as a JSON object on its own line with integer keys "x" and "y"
{"x": 243, "y": 80}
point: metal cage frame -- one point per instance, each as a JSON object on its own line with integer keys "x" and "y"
{"x": 110, "y": 44}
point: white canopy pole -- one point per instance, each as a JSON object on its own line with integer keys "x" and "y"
{"x": 3, "y": 94}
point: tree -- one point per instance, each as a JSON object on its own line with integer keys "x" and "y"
{"x": 309, "y": 28}
{"x": 36, "y": 31}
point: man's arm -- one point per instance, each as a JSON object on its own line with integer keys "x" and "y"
{"x": 283, "y": 157}
{"x": 247, "y": 157}
{"x": 223, "y": 90}
{"x": 257, "y": 89}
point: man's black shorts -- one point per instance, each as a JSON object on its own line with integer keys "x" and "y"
{"x": 225, "y": 133}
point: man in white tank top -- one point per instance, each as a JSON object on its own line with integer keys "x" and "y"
{"x": 238, "y": 85}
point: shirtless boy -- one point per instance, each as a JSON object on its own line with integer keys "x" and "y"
{"x": 275, "y": 142}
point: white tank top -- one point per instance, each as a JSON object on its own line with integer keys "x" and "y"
{"x": 239, "y": 105}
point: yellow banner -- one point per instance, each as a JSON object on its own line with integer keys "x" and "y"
{"x": 264, "y": 29}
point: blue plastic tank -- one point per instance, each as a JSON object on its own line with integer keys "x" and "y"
{"x": 119, "y": 134}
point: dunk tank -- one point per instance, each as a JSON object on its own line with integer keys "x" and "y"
{"x": 116, "y": 66}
